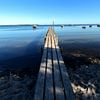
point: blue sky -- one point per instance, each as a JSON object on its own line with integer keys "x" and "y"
{"x": 44, "y": 11}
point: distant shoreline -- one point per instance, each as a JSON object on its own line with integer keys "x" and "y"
{"x": 50, "y": 25}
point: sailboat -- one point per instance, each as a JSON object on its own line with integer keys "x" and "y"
{"x": 62, "y": 26}
{"x": 34, "y": 26}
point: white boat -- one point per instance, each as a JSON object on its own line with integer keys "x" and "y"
{"x": 34, "y": 26}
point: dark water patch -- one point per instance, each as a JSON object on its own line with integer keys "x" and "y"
{"x": 77, "y": 54}
{"x": 21, "y": 62}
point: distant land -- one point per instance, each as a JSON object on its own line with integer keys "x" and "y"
{"x": 51, "y": 24}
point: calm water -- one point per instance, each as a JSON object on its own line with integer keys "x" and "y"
{"x": 20, "y": 46}
{"x": 77, "y": 34}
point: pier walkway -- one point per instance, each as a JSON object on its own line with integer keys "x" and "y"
{"x": 53, "y": 81}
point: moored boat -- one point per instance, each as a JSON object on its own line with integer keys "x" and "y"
{"x": 62, "y": 26}
{"x": 98, "y": 25}
{"x": 84, "y": 27}
{"x": 34, "y": 26}
{"x": 90, "y": 25}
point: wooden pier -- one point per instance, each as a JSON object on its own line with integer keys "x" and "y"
{"x": 53, "y": 81}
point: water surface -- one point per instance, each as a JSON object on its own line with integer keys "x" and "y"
{"x": 20, "y": 46}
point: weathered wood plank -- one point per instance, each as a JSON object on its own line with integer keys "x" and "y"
{"x": 49, "y": 93}
{"x": 59, "y": 93}
{"x": 39, "y": 89}
{"x": 65, "y": 78}
{"x": 53, "y": 80}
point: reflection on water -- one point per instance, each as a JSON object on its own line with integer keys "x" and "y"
{"x": 24, "y": 43}
{"x": 76, "y": 33}
{"x": 20, "y": 46}
{"x": 17, "y": 40}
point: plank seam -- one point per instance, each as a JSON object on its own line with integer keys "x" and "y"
{"x": 60, "y": 69}
{"x": 45, "y": 68}
{"x": 53, "y": 70}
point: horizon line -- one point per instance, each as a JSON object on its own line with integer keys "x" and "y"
{"x": 54, "y": 24}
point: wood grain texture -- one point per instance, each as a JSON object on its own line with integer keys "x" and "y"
{"x": 53, "y": 82}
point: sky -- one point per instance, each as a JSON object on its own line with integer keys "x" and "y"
{"x": 45, "y": 11}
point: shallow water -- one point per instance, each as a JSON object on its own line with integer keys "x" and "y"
{"x": 19, "y": 40}
{"x": 76, "y": 33}
{"x": 75, "y": 38}
{"x": 20, "y": 46}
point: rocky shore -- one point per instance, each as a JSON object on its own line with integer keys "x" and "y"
{"x": 17, "y": 85}
{"x": 83, "y": 68}
{"x": 18, "y": 80}
{"x": 84, "y": 73}
{"x": 86, "y": 82}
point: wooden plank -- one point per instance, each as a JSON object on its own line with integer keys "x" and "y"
{"x": 59, "y": 93}
{"x": 49, "y": 93}
{"x": 53, "y": 71}
{"x": 39, "y": 89}
{"x": 65, "y": 78}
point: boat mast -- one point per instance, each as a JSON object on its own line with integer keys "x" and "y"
{"x": 53, "y": 24}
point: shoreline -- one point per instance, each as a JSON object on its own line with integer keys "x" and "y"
{"x": 19, "y": 82}
{"x": 83, "y": 65}
{"x": 83, "y": 68}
